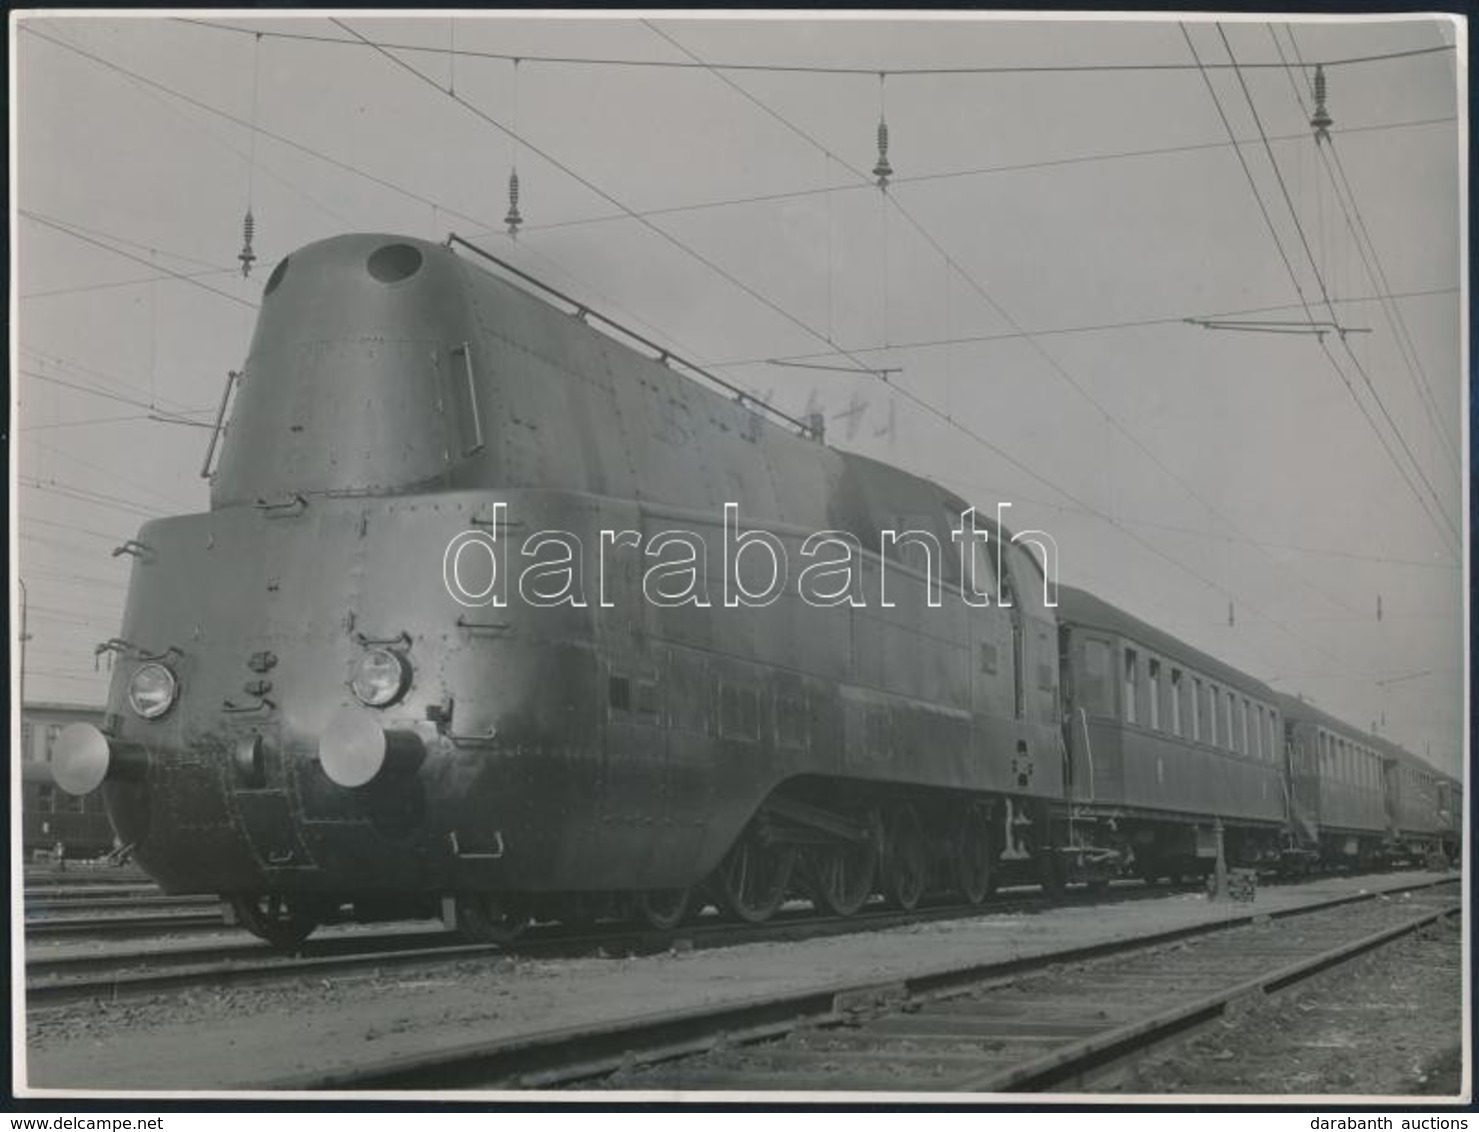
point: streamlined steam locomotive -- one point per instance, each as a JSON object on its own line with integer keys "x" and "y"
{"x": 495, "y": 615}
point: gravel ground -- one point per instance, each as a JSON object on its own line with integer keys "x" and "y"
{"x": 1388, "y": 1024}
{"x": 217, "y": 1039}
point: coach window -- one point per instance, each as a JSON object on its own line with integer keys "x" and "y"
{"x": 1212, "y": 714}
{"x": 1232, "y": 707}
{"x": 1096, "y": 694}
{"x": 1273, "y": 746}
{"x": 1153, "y": 685}
{"x": 1176, "y": 691}
{"x": 1132, "y": 681}
{"x": 1245, "y": 727}
{"x": 1196, "y": 708}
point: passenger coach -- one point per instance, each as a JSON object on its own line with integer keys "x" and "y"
{"x": 1163, "y": 742}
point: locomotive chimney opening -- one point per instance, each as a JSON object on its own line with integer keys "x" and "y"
{"x": 349, "y": 382}
{"x": 355, "y": 751}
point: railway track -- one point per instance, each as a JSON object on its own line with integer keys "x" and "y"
{"x": 56, "y": 979}
{"x": 121, "y": 926}
{"x": 1029, "y": 1023}
{"x": 56, "y": 905}
{"x": 81, "y": 875}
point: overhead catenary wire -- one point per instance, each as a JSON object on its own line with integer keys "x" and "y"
{"x": 982, "y": 171}
{"x": 90, "y": 496}
{"x": 788, "y": 316}
{"x": 783, "y": 68}
{"x": 113, "y": 474}
{"x": 1329, "y": 156}
{"x": 181, "y": 276}
{"x": 73, "y": 369}
{"x": 328, "y": 159}
{"x": 1049, "y": 331}
{"x": 103, "y": 393}
{"x": 947, "y": 335}
{"x": 947, "y": 417}
{"x": 1325, "y": 297}
{"x": 1298, "y": 286}
{"x": 411, "y": 194}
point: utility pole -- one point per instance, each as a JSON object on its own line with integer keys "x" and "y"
{"x": 25, "y": 636}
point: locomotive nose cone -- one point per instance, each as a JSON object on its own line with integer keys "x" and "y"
{"x": 80, "y": 758}
{"x": 354, "y": 750}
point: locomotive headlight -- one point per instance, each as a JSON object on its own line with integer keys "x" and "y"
{"x": 380, "y": 677}
{"x": 152, "y": 690}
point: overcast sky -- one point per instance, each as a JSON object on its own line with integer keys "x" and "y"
{"x": 1028, "y": 274}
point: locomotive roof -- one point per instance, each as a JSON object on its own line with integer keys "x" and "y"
{"x": 1079, "y": 607}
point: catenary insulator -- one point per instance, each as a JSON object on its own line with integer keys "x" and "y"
{"x": 513, "y": 219}
{"x": 883, "y": 170}
{"x": 247, "y": 256}
{"x": 1321, "y": 120}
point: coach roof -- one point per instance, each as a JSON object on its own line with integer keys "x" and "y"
{"x": 1079, "y": 608}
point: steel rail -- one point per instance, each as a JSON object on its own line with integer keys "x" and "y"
{"x": 122, "y": 925}
{"x": 568, "y": 1055}
{"x": 1097, "y": 1053}
{"x": 57, "y": 980}
{"x": 76, "y": 906}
